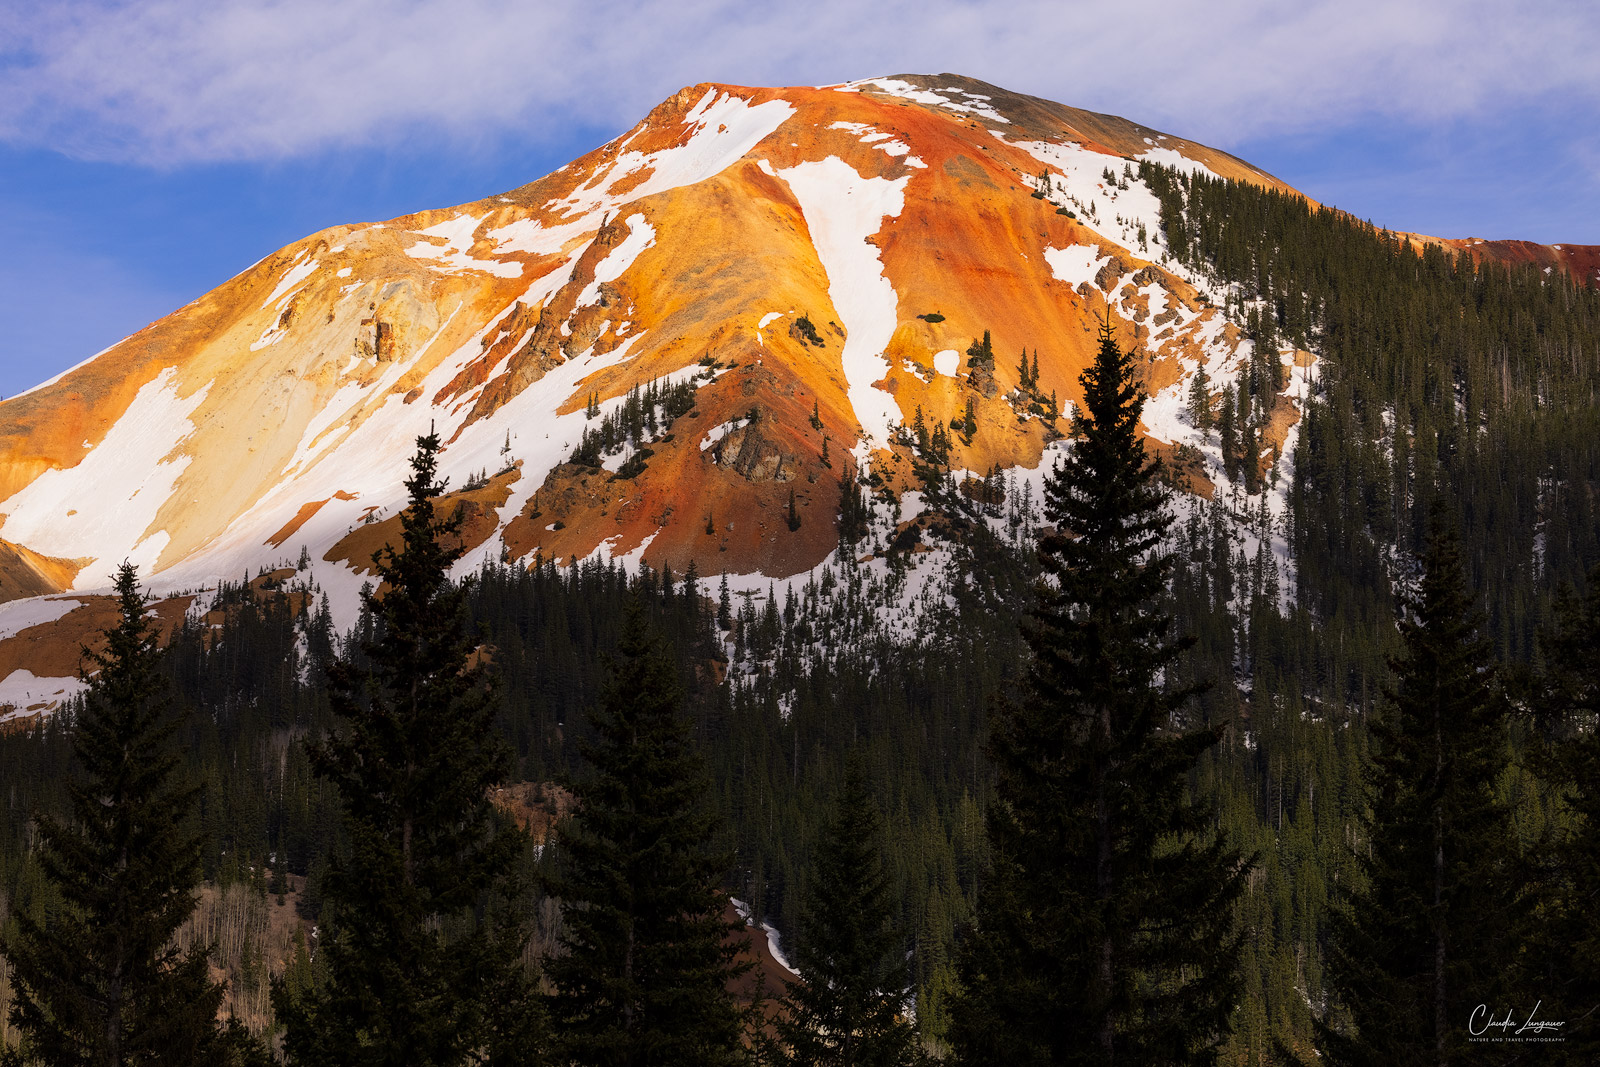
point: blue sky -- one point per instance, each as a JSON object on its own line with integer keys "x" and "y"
{"x": 150, "y": 149}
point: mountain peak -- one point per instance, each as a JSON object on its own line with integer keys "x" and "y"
{"x": 678, "y": 347}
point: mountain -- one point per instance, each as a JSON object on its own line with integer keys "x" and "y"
{"x": 675, "y": 348}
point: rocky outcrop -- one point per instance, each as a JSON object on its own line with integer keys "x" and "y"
{"x": 754, "y": 456}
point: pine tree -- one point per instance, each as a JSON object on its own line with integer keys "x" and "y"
{"x": 648, "y": 956}
{"x": 1200, "y": 401}
{"x": 981, "y": 353}
{"x": 850, "y": 1009}
{"x": 1229, "y": 438}
{"x": 413, "y": 764}
{"x": 1106, "y": 921}
{"x": 100, "y": 982}
{"x": 691, "y": 588}
{"x": 1429, "y": 936}
{"x": 1570, "y": 937}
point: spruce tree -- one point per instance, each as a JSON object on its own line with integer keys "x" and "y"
{"x": 413, "y": 977}
{"x": 849, "y": 1011}
{"x": 1431, "y": 934}
{"x": 1105, "y": 932}
{"x": 99, "y": 981}
{"x": 643, "y": 981}
{"x": 1569, "y": 948}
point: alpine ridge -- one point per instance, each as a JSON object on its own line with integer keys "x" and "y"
{"x": 674, "y": 349}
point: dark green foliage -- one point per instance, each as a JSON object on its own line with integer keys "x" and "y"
{"x": 1200, "y": 401}
{"x": 853, "y": 512}
{"x": 850, "y": 1009}
{"x": 808, "y": 331}
{"x": 1568, "y": 936}
{"x": 649, "y": 955}
{"x": 98, "y": 980}
{"x": 1105, "y": 930}
{"x": 645, "y": 412}
{"x": 634, "y": 465}
{"x": 413, "y": 761}
{"x": 1432, "y": 933}
{"x": 793, "y": 517}
{"x": 980, "y": 354}
{"x": 1439, "y": 376}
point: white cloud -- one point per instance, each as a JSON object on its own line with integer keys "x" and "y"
{"x": 168, "y": 82}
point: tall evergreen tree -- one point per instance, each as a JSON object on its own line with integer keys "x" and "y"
{"x": 1431, "y": 934}
{"x": 100, "y": 982}
{"x": 1105, "y": 932}
{"x": 849, "y": 1011}
{"x": 412, "y": 978}
{"x": 1569, "y": 934}
{"x": 644, "y": 978}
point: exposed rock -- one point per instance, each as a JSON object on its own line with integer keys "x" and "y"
{"x": 749, "y": 452}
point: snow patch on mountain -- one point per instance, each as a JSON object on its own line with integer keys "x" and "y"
{"x": 1077, "y": 181}
{"x": 291, "y": 278}
{"x": 121, "y": 485}
{"x": 641, "y": 235}
{"x": 968, "y": 103}
{"x": 1171, "y": 157}
{"x": 878, "y": 139}
{"x": 22, "y": 691}
{"x": 1075, "y": 264}
{"x": 453, "y": 256}
{"x": 842, "y": 210}
{"x": 725, "y": 128}
{"x": 19, "y": 615}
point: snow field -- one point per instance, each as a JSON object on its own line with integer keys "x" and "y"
{"x": 1075, "y": 264}
{"x": 453, "y": 256}
{"x": 22, "y": 689}
{"x": 291, "y": 278}
{"x": 19, "y": 615}
{"x": 842, "y": 209}
{"x": 724, "y": 128}
{"x": 641, "y": 235}
{"x": 136, "y": 458}
{"x": 970, "y": 103}
{"x": 870, "y": 135}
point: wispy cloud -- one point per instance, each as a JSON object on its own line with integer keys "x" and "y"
{"x": 169, "y": 82}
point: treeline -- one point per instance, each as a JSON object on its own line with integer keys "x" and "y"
{"x": 1439, "y": 376}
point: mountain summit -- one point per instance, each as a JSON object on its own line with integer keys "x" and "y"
{"x": 679, "y": 348}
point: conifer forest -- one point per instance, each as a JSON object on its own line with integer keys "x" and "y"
{"x": 1135, "y": 790}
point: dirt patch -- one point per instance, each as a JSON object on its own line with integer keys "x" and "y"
{"x": 479, "y": 520}
{"x": 25, "y": 573}
{"x": 303, "y": 516}
{"x": 55, "y": 649}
